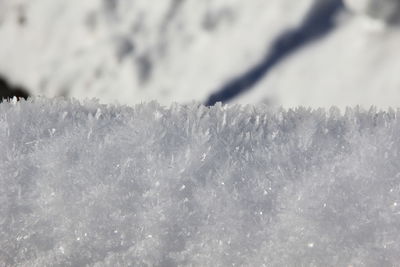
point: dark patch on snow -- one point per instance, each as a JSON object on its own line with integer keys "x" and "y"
{"x": 212, "y": 20}
{"x": 318, "y": 22}
{"x": 98, "y": 73}
{"x": 145, "y": 67}
{"x": 8, "y": 91}
{"x": 171, "y": 13}
{"x": 124, "y": 47}
{"x": 110, "y": 5}
{"x": 91, "y": 21}
{"x": 21, "y": 16}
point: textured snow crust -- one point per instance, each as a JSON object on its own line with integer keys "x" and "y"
{"x": 89, "y": 184}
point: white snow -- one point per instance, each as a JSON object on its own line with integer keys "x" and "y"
{"x": 182, "y": 50}
{"x": 384, "y": 10}
{"x": 357, "y": 64}
{"x": 135, "y": 51}
{"x": 90, "y": 184}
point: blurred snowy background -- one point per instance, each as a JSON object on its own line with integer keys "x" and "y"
{"x": 281, "y": 52}
{"x": 88, "y": 184}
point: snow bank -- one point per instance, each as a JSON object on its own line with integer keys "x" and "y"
{"x": 187, "y": 185}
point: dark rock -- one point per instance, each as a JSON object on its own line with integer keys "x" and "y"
{"x": 8, "y": 91}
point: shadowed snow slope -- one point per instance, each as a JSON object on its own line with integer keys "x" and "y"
{"x": 188, "y": 185}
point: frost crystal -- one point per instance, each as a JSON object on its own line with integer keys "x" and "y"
{"x": 89, "y": 184}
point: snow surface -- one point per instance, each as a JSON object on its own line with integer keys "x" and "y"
{"x": 357, "y": 64}
{"x": 135, "y": 51}
{"x": 180, "y": 50}
{"x": 89, "y": 184}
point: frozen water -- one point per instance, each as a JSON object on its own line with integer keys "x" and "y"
{"x": 89, "y": 184}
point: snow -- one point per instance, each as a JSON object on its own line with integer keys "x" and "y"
{"x": 385, "y": 10}
{"x": 357, "y": 64}
{"x": 131, "y": 52}
{"x": 108, "y": 185}
{"x": 135, "y": 51}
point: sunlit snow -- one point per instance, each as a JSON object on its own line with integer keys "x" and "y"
{"x": 184, "y": 50}
{"x": 89, "y": 184}
{"x": 133, "y": 51}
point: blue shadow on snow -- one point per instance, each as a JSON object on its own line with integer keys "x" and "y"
{"x": 318, "y": 22}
